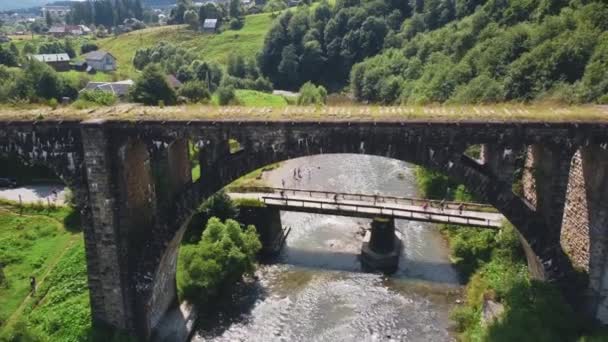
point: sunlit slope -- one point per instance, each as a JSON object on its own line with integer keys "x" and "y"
{"x": 211, "y": 47}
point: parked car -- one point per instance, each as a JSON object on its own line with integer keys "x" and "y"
{"x": 8, "y": 183}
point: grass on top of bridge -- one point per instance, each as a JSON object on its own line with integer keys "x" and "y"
{"x": 436, "y": 113}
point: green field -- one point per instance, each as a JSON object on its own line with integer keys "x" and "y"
{"x": 253, "y": 98}
{"x": 210, "y": 47}
{"x": 46, "y": 244}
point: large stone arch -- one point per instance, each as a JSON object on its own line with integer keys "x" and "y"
{"x": 220, "y": 166}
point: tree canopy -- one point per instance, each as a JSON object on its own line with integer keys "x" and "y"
{"x": 152, "y": 87}
{"x": 223, "y": 255}
{"x": 461, "y": 51}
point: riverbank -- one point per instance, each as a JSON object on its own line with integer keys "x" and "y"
{"x": 501, "y": 302}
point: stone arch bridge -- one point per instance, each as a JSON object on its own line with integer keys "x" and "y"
{"x": 132, "y": 182}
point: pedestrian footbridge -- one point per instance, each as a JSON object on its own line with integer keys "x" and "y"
{"x": 374, "y": 206}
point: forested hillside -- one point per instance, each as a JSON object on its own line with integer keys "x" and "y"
{"x": 463, "y": 51}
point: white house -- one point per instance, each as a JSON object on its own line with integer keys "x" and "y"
{"x": 209, "y": 25}
{"x": 100, "y": 60}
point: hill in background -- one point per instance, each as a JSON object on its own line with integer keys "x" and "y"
{"x": 247, "y": 41}
{"x": 18, "y": 4}
{"x": 435, "y": 51}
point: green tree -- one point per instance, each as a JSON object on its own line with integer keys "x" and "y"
{"x": 48, "y": 17}
{"x": 51, "y": 47}
{"x": 263, "y": 84}
{"x": 69, "y": 48}
{"x": 235, "y": 8}
{"x": 288, "y": 68}
{"x": 191, "y": 18}
{"x": 194, "y": 91}
{"x": 219, "y": 260}
{"x": 209, "y": 73}
{"x": 7, "y": 57}
{"x": 312, "y": 95}
{"x": 177, "y": 13}
{"x": 49, "y": 85}
{"x": 14, "y": 50}
{"x": 236, "y": 66}
{"x": 275, "y": 6}
{"x": 481, "y": 89}
{"x": 29, "y": 49}
{"x": 88, "y": 47}
{"x": 226, "y": 95}
{"x": 152, "y": 87}
{"x": 311, "y": 61}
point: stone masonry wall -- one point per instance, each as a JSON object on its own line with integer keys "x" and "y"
{"x": 575, "y": 227}
{"x": 584, "y": 234}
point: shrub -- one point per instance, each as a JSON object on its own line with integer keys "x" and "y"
{"x": 311, "y": 94}
{"x": 100, "y": 97}
{"x": 236, "y": 23}
{"x": 226, "y": 95}
{"x": 88, "y": 47}
{"x": 53, "y": 103}
{"x": 263, "y": 84}
{"x": 195, "y": 91}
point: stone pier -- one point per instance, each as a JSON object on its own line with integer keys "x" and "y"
{"x": 382, "y": 250}
{"x": 268, "y": 224}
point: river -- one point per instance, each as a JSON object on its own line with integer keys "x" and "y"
{"x": 316, "y": 290}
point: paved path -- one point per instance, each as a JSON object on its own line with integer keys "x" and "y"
{"x": 35, "y": 193}
{"x": 365, "y": 207}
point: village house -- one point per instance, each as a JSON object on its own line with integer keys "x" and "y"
{"x": 58, "y": 61}
{"x": 100, "y": 60}
{"x": 60, "y": 31}
{"x": 210, "y": 25}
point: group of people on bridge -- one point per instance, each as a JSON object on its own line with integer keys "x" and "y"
{"x": 425, "y": 206}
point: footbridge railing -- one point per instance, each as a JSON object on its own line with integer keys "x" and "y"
{"x": 362, "y": 208}
{"x": 416, "y": 201}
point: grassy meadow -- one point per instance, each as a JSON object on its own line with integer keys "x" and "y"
{"x": 210, "y": 47}
{"x": 47, "y": 244}
{"x": 253, "y": 98}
